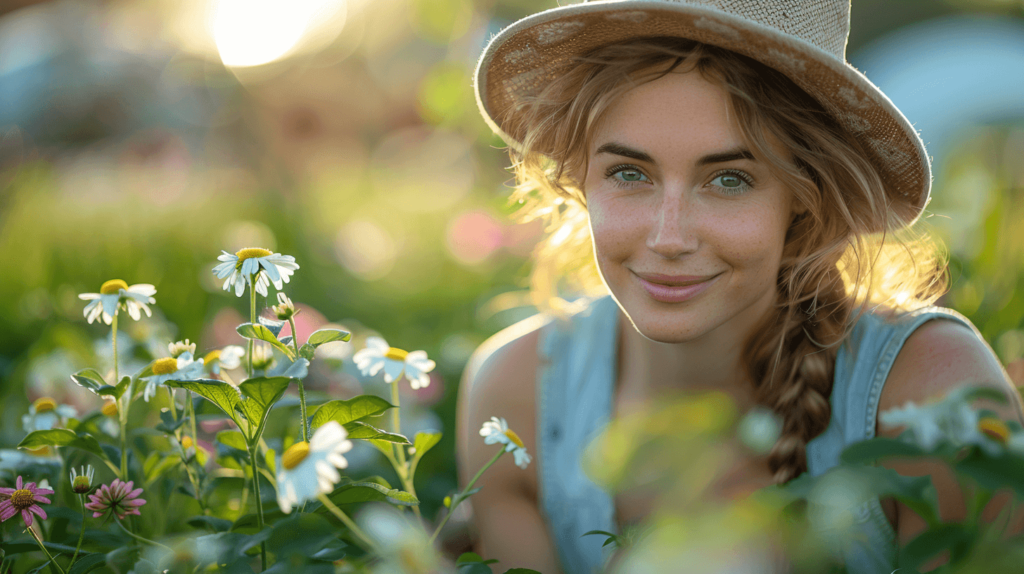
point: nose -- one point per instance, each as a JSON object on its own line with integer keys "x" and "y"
{"x": 673, "y": 232}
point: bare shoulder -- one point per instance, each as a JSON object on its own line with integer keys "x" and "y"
{"x": 939, "y": 356}
{"x": 499, "y": 380}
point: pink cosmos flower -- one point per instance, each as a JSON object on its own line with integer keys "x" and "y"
{"x": 24, "y": 500}
{"x": 117, "y": 497}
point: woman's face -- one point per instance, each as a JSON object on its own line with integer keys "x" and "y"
{"x": 687, "y": 226}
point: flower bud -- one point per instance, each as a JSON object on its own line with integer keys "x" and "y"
{"x": 177, "y": 348}
{"x": 81, "y": 482}
{"x": 285, "y": 309}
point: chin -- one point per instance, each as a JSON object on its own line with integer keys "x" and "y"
{"x": 669, "y": 323}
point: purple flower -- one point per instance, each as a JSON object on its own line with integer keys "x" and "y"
{"x": 24, "y": 500}
{"x": 117, "y": 497}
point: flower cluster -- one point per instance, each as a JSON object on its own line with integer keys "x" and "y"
{"x": 952, "y": 419}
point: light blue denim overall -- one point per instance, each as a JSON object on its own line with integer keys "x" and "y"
{"x": 574, "y": 401}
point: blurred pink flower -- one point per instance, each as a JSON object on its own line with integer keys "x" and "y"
{"x": 24, "y": 500}
{"x": 118, "y": 498}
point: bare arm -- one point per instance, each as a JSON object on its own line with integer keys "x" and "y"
{"x": 500, "y": 381}
{"x": 939, "y": 356}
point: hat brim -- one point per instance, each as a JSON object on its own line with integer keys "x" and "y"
{"x": 533, "y": 51}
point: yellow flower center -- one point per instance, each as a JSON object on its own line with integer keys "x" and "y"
{"x": 41, "y": 451}
{"x": 396, "y": 354}
{"x": 44, "y": 404}
{"x": 22, "y": 499}
{"x": 186, "y": 442}
{"x": 211, "y": 356}
{"x": 512, "y": 436}
{"x": 165, "y": 366}
{"x": 113, "y": 287}
{"x": 995, "y": 429}
{"x": 250, "y": 252}
{"x": 109, "y": 409}
{"x": 295, "y": 454}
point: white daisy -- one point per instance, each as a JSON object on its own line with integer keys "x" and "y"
{"x": 184, "y": 368}
{"x": 228, "y": 358}
{"x": 379, "y": 355}
{"x": 950, "y": 419}
{"x": 306, "y": 470}
{"x": 116, "y": 294}
{"x": 45, "y": 414}
{"x": 496, "y": 431}
{"x": 268, "y": 268}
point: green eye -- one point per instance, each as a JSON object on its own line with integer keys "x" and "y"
{"x": 631, "y": 175}
{"x": 731, "y": 181}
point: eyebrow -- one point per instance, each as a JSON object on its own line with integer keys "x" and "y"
{"x": 720, "y": 157}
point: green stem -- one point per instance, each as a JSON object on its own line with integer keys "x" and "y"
{"x": 302, "y": 391}
{"x": 174, "y": 407}
{"x": 259, "y": 503}
{"x": 344, "y": 518}
{"x": 137, "y": 537}
{"x": 45, "y": 551}
{"x": 190, "y": 412}
{"x": 402, "y": 467}
{"x": 252, "y": 319}
{"x": 81, "y": 535}
{"x": 461, "y": 496}
{"x": 122, "y": 408}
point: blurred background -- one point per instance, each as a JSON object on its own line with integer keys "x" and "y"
{"x": 140, "y": 138}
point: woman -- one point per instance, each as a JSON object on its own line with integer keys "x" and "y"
{"x": 747, "y": 197}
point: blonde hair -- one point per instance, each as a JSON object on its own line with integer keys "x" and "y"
{"x": 847, "y": 252}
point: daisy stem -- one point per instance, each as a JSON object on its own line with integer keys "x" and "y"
{"x": 137, "y": 537}
{"x": 45, "y": 551}
{"x": 344, "y": 518}
{"x": 174, "y": 407}
{"x": 457, "y": 500}
{"x": 402, "y": 467}
{"x": 302, "y": 391}
{"x": 113, "y": 339}
{"x": 259, "y": 500}
{"x": 81, "y": 535}
{"x": 252, "y": 319}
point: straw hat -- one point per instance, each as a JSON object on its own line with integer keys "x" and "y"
{"x": 803, "y": 39}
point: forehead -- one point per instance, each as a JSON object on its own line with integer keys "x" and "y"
{"x": 677, "y": 114}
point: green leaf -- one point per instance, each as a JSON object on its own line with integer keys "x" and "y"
{"x": 61, "y": 437}
{"x": 274, "y": 325}
{"x": 468, "y": 558}
{"x": 869, "y": 451}
{"x": 271, "y": 460}
{"x": 225, "y": 396}
{"x": 363, "y": 431}
{"x": 989, "y": 393}
{"x": 92, "y": 380}
{"x": 88, "y": 563}
{"x": 321, "y": 336}
{"x": 993, "y": 473}
{"x": 167, "y": 424}
{"x": 300, "y": 534}
{"x": 933, "y": 541}
{"x": 371, "y": 492}
{"x": 233, "y": 439}
{"x": 265, "y": 391}
{"x": 422, "y": 442}
{"x": 262, "y": 333}
{"x": 354, "y": 409}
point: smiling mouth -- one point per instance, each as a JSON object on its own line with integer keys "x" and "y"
{"x": 674, "y": 281}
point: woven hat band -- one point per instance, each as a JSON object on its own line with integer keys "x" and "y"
{"x": 822, "y": 23}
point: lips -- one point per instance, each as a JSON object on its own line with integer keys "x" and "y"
{"x": 675, "y": 280}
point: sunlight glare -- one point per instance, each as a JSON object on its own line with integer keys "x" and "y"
{"x": 255, "y": 32}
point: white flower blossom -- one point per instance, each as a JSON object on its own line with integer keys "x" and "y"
{"x": 267, "y": 267}
{"x": 379, "y": 355}
{"x": 306, "y": 470}
{"x": 496, "y": 431}
{"x": 45, "y": 414}
{"x": 184, "y": 368}
{"x": 228, "y": 358}
{"x": 116, "y": 294}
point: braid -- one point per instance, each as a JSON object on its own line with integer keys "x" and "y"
{"x": 793, "y": 366}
